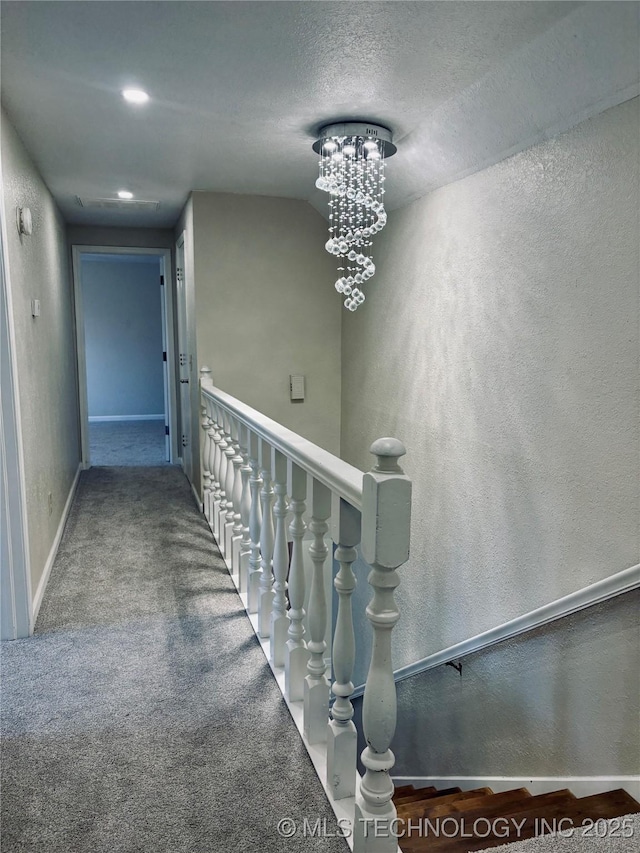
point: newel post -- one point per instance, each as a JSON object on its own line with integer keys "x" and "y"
{"x": 386, "y": 521}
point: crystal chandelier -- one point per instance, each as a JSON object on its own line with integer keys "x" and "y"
{"x": 352, "y": 156}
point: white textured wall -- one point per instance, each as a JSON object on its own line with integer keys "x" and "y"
{"x": 499, "y": 341}
{"x": 39, "y": 268}
{"x": 559, "y": 701}
{"x": 121, "y": 307}
{"x": 266, "y": 308}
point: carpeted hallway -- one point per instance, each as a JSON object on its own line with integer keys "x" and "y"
{"x": 142, "y": 715}
{"x": 127, "y": 443}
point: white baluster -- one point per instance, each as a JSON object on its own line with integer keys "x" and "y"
{"x": 266, "y": 542}
{"x": 214, "y": 498}
{"x": 205, "y": 373}
{"x": 206, "y": 474}
{"x": 236, "y": 497}
{"x": 386, "y": 518}
{"x": 227, "y": 521}
{"x": 296, "y": 655}
{"x": 255, "y": 524}
{"x": 224, "y": 460}
{"x": 342, "y": 740}
{"x": 279, "y": 620}
{"x": 316, "y": 685}
{"x": 245, "y": 510}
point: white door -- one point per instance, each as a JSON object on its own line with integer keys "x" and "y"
{"x": 184, "y": 363}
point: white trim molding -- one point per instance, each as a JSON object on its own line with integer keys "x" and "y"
{"x": 44, "y": 580}
{"x": 103, "y": 418}
{"x": 196, "y": 497}
{"x": 164, "y": 258}
{"x": 596, "y": 593}
{"x": 581, "y": 786}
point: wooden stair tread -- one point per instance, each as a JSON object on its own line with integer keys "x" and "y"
{"x": 467, "y": 818}
{"x": 417, "y": 794}
{"x": 598, "y": 806}
{"x": 515, "y": 796}
{"x": 402, "y": 790}
{"x": 418, "y": 808}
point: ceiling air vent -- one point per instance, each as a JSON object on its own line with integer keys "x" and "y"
{"x": 118, "y": 204}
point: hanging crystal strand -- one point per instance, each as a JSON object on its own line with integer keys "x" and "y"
{"x": 255, "y": 525}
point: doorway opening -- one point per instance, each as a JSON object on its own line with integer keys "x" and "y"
{"x": 125, "y": 333}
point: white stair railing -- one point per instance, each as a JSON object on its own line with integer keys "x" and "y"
{"x": 255, "y": 474}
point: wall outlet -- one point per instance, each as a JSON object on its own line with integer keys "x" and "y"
{"x": 50, "y": 503}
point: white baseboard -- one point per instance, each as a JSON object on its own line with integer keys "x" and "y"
{"x": 102, "y": 418}
{"x": 581, "y": 786}
{"x": 196, "y": 497}
{"x": 37, "y": 598}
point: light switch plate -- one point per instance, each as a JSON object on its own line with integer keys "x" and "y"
{"x": 35, "y": 307}
{"x": 296, "y": 386}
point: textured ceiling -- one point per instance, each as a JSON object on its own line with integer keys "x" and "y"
{"x": 238, "y": 90}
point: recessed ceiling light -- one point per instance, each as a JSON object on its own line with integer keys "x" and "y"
{"x": 124, "y": 194}
{"x": 135, "y": 96}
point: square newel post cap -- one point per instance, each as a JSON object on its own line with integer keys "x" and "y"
{"x": 205, "y": 374}
{"x": 386, "y": 507}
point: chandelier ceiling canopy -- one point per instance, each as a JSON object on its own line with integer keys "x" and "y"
{"x": 352, "y": 158}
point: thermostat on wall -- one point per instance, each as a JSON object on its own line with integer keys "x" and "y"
{"x": 296, "y": 386}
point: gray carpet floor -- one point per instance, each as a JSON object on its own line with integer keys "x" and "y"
{"x": 620, "y": 835}
{"x": 127, "y": 443}
{"x": 142, "y": 715}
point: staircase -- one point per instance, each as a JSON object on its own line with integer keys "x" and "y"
{"x": 455, "y": 821}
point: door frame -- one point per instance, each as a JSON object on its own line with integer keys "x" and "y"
{"x": 166, "y": 270}
{"x": 186, "y": 426}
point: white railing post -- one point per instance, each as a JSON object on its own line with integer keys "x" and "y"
{"x": 215, "y": 469}
{"x": 386, "y": 518}
{"x": 316, "y": 685}
{"x": 227, "y": 520}
{"x": 255, "y": 525}
{"x": 224, "y": 461}
{"x": 214, "y": 497}
{"x": 205, "y": 373}
{"x": 245, "y": 510}
{"x": 296, "y": 656}
{"x": 342, "y": 739}
{"x": 279, "y": 620}
{"x": 236, "y": 532}
{"x": 266, "y": 542}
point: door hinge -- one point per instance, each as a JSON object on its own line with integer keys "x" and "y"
{"x": 166, "y": 429}
{"x": 164, "y": 356}
{"x": 185, "y": 441}
{"x": 161, "y": 281}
